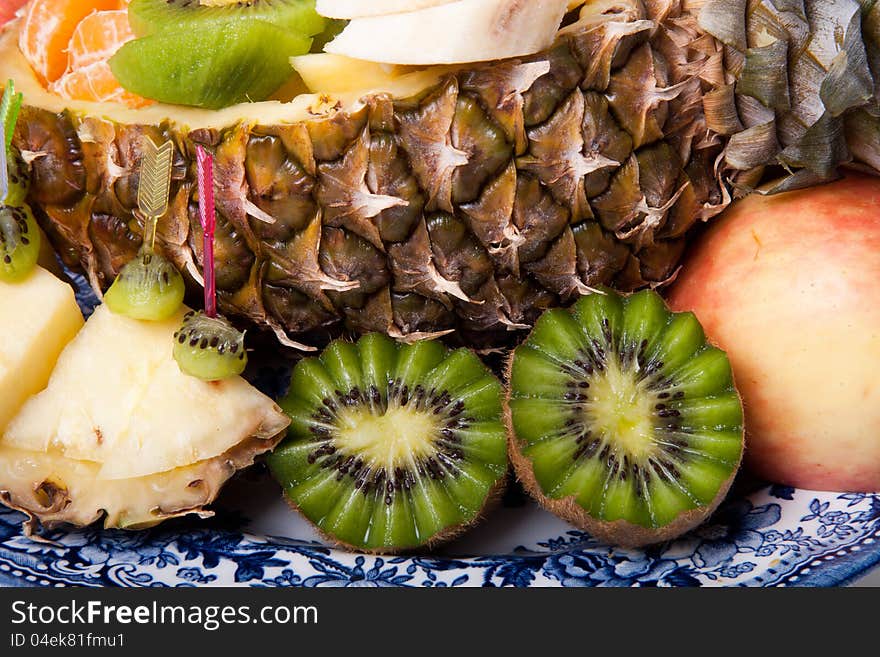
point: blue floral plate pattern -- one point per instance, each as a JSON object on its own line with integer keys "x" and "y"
{"x": 762, "y": 536}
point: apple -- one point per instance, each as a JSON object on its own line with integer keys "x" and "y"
{"x": 789, "y": 286}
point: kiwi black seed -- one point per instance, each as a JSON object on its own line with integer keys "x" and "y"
{"x": 623, "y": 419}
{"x": 19, "y": 242}
{"x": 148, "y": 288}
{"x": 209, "y": 348}
{"x": 155, "y": 16}
{"x": 392, "y": 447}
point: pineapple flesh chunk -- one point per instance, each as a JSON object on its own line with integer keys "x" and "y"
{"x": 121, "y": 432}
{"x": 39, "y": 317}
{"x": 323, "y": 73}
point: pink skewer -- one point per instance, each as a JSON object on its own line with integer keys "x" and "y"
{"x": 208, "y": 218}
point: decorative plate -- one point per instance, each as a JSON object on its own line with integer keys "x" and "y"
{"x": 762, "y": 536}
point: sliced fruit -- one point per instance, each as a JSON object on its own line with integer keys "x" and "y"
{"x": 209, "y": 348}
{"x": 472, "y": 31}
{"x": 118, "y": 399}
{"x": 47, "y": 28}
{"x": 19, "y": 242}
{"x": 40, "y": 316}
{"x": 148, "y": 288}
{"x": 97, "y": 38}
{"x": 623, "y": 428}
{"x": 211, "y": 66}
{"x": 158, "y": 16}
{"x": 392, "y": 447}
{"x": 360, "y": 9}
{"x": 96, "y": 83}
{"x": 336, "y": 74}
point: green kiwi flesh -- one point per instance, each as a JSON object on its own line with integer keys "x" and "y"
{"x": 209, "y": 348}
{"x": 148, "y": 288}
{"x": 623, "y": 419}
{"x": 157, "y": 16}
{"x": 210, "y": 66}
{"x": 392, "y": 447}
{"x": 19, "y": 242}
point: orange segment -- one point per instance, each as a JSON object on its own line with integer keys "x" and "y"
{"x": 95, "y": 82}
{"x": 98, "y": 37}
{"x": 47, "y": 29}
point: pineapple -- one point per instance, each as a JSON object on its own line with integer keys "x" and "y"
{"x": 502, "y": 189}
{"x": 40, "y": 316}
{"x": 121, "y": 433}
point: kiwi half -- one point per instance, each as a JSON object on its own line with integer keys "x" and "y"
{"x": 392, "y": 447}
{"x": 211, "y": 66}
{"x": 623, "y": 420}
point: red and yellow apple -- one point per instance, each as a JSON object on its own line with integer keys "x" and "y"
{"x": 789, "y": 286}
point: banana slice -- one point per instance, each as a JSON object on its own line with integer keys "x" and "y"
{"x": 454, "y": 32}
{"x": 360, "y": 8}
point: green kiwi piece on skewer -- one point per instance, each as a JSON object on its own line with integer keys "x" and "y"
{"x": 623, "y": 419}
{"x": 148, "y": 288}
{"x": 19, "y": 242}
{"x": 392, "y": 447}
{"x": 209, "y": 348}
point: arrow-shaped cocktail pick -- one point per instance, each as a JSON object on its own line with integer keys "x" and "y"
{"x": 154, "y": 187}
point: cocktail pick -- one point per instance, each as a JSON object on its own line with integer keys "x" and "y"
{"x": 154, "y": 187}
{"x": 149, "y": 287}
{"x": 208, "y": 218}
{"x": 207, "y": 346}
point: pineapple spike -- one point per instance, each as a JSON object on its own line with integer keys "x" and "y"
{"x": 492, "y": 194}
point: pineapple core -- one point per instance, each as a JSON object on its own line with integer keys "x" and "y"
{"x": 38, "y": 317}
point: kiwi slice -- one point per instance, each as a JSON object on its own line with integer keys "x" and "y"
{"x": 209, "y": 348}
{"x": 623, "y": 419}
{"x": 156, "y": 16}
{"x": 148, "y": 288}
{"x": 19, "y": 242}
{"x": 211, "y": 66}
{"x": 392, "y": 447}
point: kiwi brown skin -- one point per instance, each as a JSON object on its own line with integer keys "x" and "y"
{"x": 438, "y": 539}
{"x": 618, "y": 532}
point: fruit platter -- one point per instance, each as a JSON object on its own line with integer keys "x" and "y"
{"x": 439, "y": 292}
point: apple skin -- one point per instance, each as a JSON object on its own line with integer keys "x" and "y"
{"x": 789, "y": 286}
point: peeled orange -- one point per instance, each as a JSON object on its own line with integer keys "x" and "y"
{"x": 47, "y": 29}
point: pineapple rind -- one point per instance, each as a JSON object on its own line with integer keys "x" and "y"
{"x": 507, "y": 188}
{"x": 54, "y": 490}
